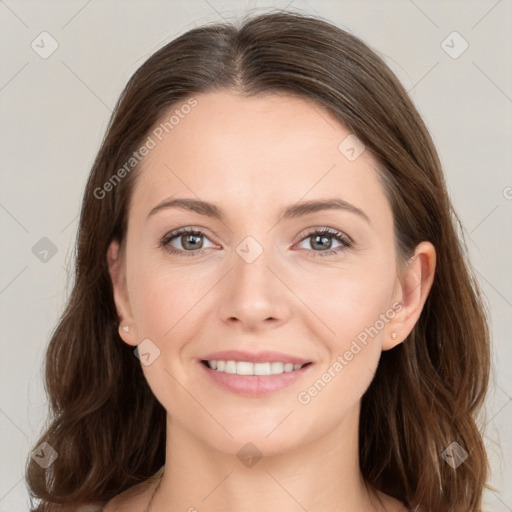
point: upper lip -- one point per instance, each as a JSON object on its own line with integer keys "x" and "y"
{"x": 254, "y": 357}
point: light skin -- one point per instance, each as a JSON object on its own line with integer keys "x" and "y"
{"x": 253, "y": 157}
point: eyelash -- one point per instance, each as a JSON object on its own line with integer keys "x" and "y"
{"x": 331, "y": 233}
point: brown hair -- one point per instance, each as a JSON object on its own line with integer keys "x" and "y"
{"x": 106, "y": 424}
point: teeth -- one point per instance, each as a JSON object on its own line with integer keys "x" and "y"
{"x": 247, "y": 368}
{"x": 243, "y": 368}
{"x": 230, "y": 367}
{"x": 277, "y": 368}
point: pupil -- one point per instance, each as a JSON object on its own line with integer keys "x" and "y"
{"x": 193, "y": 244}
{"x": 323, "y": 239}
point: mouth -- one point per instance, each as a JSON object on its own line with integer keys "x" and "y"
{"x": 249, "y": 368}
{"x": 249, "y": 379}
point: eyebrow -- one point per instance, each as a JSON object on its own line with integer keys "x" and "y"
{"x": 296, "y": 210}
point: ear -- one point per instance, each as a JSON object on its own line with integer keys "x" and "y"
{"x": 415, "y": 284}
{"x": 117, "y": 276}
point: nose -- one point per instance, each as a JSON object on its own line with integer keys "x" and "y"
{"x": 255, "y": 294}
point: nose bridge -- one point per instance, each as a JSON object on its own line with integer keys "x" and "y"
{"x": 254, "y": 292}
{"x": 252, "y": 275}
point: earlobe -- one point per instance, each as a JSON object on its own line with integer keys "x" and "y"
{"x": 416, "y": 284}
{"x": 120, "y": 294}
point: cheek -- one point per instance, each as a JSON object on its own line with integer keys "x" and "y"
{"x": 355, "y": 310}
{"x": 162, "y": 297}
{"x": 350, "y": 302}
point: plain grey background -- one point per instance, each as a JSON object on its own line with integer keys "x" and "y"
{"x": 55, "y": 108}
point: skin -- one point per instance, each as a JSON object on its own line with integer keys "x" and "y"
{"x": 253, "y": 157}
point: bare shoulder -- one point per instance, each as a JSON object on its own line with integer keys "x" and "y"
{"x": 391, "y": 504}
{"x": 133, "y": 499}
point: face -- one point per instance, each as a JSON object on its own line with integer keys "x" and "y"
{"x": 254, "y": 279}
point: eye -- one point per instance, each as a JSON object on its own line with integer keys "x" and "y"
{"x": 320, "y": 240}
{"x": 191, "y": 245}
{"x": 188, "y": 238}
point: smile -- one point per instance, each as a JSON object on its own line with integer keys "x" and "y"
{"x": 248, "y": 368}
{"x": 249, "y": 379}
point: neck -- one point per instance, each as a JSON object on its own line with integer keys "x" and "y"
{"x": 322, "y": 475}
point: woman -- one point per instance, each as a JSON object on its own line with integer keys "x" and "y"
{"x": 218, "y": 352}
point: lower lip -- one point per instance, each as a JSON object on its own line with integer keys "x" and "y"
{"x": 254, "y": 385}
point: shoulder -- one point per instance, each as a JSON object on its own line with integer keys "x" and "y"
{"x": 133, "y": 499}
{"x": 136, "y": 497}
{"x": 88, "y": 507}
{"x": 392, "y": 504}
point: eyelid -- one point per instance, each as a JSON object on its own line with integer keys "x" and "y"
{"x": 199, "y": 230}
{"x": 318, "y": 229}
{"x": 342, "y": 238}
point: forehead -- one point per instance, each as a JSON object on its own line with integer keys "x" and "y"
{"x": 261, "y": 150}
